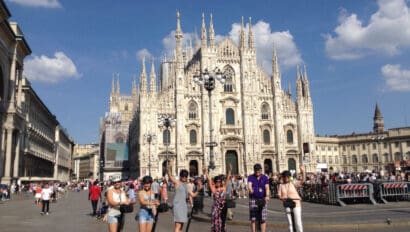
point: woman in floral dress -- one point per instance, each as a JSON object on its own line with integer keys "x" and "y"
{"x": 218, "y": 190}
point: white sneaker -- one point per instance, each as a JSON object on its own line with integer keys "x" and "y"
{"x": 244, "y": 197}
{"x": 47, "y": 213}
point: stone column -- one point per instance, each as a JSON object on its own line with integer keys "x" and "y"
{"x": 20, "y": 87}
{"x": 17, "y": 158}
{"x": 2, "y": 150}
{"x": 13, "y": 78}
{"x": 7, "y": 167}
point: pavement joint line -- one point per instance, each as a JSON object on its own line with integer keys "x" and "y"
{"x": 313, "y": 226}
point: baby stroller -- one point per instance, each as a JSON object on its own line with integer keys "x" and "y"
{"x": 102, "y": 211}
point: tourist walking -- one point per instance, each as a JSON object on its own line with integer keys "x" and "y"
{"x": 258, "y": 186}
{"x": 148, "y": 205}
{"x": 181, "y": 198}
{"x": 116, "y": 197}
{"x": 218, "y": 190}
{"x": 37, "y": 195}
{"x": 291, "y": 200}
{"x": 45, "y": 199}
{"x": 94, "y": 193}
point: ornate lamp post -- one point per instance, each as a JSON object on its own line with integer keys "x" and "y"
{"x": 166, "y": 120}
{"x": 207, "y": 80}
{"x": 149, "y": 138}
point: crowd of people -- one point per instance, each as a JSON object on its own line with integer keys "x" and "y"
{"x": 117, "y": 196}
{"x": 112, "y": 200}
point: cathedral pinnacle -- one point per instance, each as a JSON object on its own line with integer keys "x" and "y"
{"x": 251, "y": 44}
{"x": 143, "y": 77}
{"x": 153, "y": 76}
{"x": 113, "y": 85}
{"x": 118, "y": 84}
{"x": 211, "y": 33}
{"x": 203, "y": 33}
{"x": 178, "y": 32}
{"x": 242, "y": 36}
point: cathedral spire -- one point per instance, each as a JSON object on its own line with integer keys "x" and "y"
{"x": 143, "y": 77}
{"x": 196, "y": 42}
{"x": 178, "y": 38}
{"x": 242, "y": 37}
{"x": 211, "y": 33}
{"x": 251, "y": 44}
{"x": 118, "y": 84}
{"x": 299, "y": 85}
{"x": 275, "y": 70}
{"x": 153, "y": 77}
{"x": 134, "y": 85}
{"x": 306, "y": 83}
{"x": 203, "y": 33}
{"x": 378, "y": 122}
{"x": 113, "y": 84}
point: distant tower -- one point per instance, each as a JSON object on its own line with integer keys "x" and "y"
{"x": 378, "y": 125}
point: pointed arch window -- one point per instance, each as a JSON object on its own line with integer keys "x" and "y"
{"x": 166, "y": 137}
{"x": 126, "y": 107}
{"x": 230, "y": 116}
{"x": 192, "y": 110}
{"x": 289, "y": 136}
{"x": 266, "y": 137}
{"x": 192, "y": 137}
{"x": 265, "y": 111}
{"x": 229, "y": 74}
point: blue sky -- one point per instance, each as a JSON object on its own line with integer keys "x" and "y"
{"x": 356, "y": 52}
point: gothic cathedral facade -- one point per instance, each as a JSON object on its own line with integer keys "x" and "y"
{"x": 248, "y": 119}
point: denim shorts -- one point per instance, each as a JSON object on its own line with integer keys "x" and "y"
{"x": 145, "y": 215}
{"x": 112, "y": 219}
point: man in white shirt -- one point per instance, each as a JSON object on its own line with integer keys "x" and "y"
{"x": 45, "y": 197}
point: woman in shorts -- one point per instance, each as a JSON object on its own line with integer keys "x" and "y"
{"x": 148, "y": 205}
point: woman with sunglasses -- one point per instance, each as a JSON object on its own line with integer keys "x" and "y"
{"x": 148, "y": 205}
{"x": 116, "y": 197}
{"x": 182, "y": 196}
{"x": 218, "y": 189}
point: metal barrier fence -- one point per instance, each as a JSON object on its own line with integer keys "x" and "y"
{"x": 396, "y": 190}
{"x": 340, "y": 194}
{"x": 354, "y": 191}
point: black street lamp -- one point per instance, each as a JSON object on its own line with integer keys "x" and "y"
{"x": 166, "y": 120}
{"x": 208, "y": 81}
{"x": 149, "y": 138}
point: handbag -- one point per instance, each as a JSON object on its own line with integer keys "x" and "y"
{"x": 230, "y": 203}
{"x": 127, "y": 208}
{"x": 163, "y": 207}
{"x": 289, "y": 203}
{"x": 260, "y": 202}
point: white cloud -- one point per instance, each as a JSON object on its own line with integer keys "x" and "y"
{"x": 144, "y": 53}
{"x": 397, "y": 79}
{"x": 51, "y": 69}
{"x": 387, "y": 32}
{"x": 38, "y": 3}
{"x": 264, "y": 38}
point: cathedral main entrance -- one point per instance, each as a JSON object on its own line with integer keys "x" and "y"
{"x": 267, "y": 166}
{"x": 231, "y": 157}
{"x": 193, "y": 168}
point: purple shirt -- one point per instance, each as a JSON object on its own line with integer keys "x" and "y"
{"x": 258, "y": 186}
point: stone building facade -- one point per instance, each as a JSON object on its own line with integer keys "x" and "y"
{"x": 253, "y": 119}
{"x": 381, "y": 149}
{"x": 86, "y": 161}
{"x": 114, "y": 154}
{"x": 33, "y": 145}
